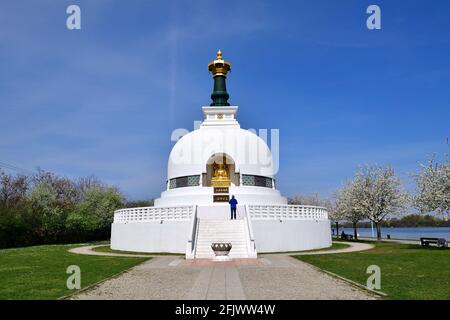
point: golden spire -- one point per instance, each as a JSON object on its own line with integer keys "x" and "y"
{"x": 219, "y": 67}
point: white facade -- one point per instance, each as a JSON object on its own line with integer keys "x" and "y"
{"x": 151, "y": 236}
{"x": 269, "y": 228}
{"x": 290, "y": 236}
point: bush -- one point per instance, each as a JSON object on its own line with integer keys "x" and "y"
{"x": 15, "y": 231}
{"x": 47, "y": 209}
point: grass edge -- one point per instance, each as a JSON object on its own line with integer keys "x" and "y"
{"x": 91, "y": 286}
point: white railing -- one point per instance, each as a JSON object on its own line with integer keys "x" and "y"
{"x": 287, "y": 212}
{"x": 143, "y": 214}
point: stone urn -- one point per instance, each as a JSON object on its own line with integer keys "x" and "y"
{"x": 221, "y": 251}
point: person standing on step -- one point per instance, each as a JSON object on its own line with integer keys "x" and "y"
{"x": 233, "y": 205}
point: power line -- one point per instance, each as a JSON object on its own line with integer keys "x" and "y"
{"x": 15, "y": 168}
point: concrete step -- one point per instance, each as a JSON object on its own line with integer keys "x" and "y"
{"x": 220, "y": 230}
{"x": 220, "y": 234}
{"x": 206, "y": 231}
{"x": 232, "y": 255}
{"x": 223, "y": 229}
{"x": 223, "y": 224}
{"x": 210, "y": 240}
{"x": 232, "y": 231}
{"x": 243, "y": 249}
{"x": 234, "y": 249}
{"x": 211, "y": 253}
{"x": 243, "y": 253}
{"x": 217, "y": 230}
{"x": 225, "y": 236}
{"x": 212, "y": 256}
{"x": 210, "y": 233}
{"x": 207, "y": 243}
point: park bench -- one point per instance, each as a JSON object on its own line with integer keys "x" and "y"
{"x": 440, "y": 242}
{"x": 346, "y": 237}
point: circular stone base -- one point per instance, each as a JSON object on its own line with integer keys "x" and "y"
{"x": 221, "y": 258}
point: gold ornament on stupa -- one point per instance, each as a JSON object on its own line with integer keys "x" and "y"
{"x": 219, "y": 67}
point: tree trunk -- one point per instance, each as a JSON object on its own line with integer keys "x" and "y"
{"x": 337, "y": 229}
{"x": 355, "y": 231}
{"x": 378, "y": 226}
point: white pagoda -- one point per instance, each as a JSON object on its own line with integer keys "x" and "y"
{"x": 205, "y": 168}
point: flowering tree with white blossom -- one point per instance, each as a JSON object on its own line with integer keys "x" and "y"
{"x": 376, "y": 192}
{"x": 347, "y": 205}
{"x": 433, "y": 187}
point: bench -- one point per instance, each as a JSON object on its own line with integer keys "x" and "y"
{"x": 346, "y": 237}
{"x": 440, "y": 242}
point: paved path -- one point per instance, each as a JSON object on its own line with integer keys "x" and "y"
{"x": 354, "y": 246}
{"x": 88, "y": 251}
{"x": 269, "y": 277}
{"x": 403, "y": 241}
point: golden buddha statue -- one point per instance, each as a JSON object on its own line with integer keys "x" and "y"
{"x": 220, "y": 176}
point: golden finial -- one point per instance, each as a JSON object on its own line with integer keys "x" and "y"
{"x": 219, "y": 67}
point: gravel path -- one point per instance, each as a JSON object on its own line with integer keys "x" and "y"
{"x": 286, "y": 278}
{"x": 88, "y": 251}
{"x": 354, "y": 246}
{"x": 269, "y": 277}
{"x": 403, "y": 241}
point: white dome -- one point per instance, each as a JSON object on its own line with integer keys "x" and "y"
{"x": 250, "y": 153}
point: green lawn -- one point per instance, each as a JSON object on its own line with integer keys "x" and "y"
{"x": 407, "y": 271}
{"x": 108, "y": 249}
{"x": 40, "y": 272}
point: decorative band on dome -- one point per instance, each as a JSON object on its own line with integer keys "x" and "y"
{"x": 257, "y": 181}
{"x": 182, "y": 182}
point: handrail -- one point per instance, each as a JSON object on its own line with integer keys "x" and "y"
{"x": 190, "y": 248}
{"x": 250, "y": 232}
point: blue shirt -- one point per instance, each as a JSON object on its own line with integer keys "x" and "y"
{"x": 233, "y": 202}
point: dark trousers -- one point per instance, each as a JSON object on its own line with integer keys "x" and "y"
{"x": 233, "y": 213}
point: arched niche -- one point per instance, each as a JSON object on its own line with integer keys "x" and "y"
{"x": 216, "y": 159}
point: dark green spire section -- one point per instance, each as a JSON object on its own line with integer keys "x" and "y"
{"x": 219, "y": 68}
{"x": 220, "y": 96}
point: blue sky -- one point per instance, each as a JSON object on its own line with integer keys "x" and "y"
{"x": 104, "y": 100}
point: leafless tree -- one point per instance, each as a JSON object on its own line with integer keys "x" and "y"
{"x": 306, "y": 200}
{"x": 13, "y": 189}
{"x": 84, "y": 184}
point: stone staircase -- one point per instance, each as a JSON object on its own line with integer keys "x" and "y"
{"x": 221, "y": 230}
